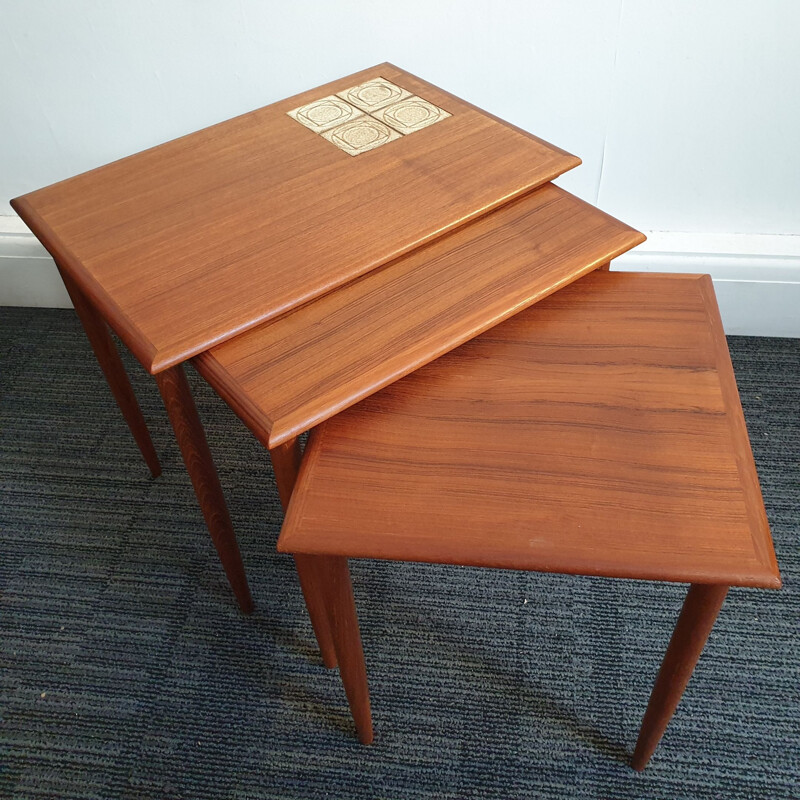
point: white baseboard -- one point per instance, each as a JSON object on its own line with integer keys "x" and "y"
{"x": 756, "y": 277}
{"x": 28, "y": 276}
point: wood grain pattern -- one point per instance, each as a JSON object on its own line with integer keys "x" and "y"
{"x": 596, "y": 433}
{"x": 695, "y": 622}
{"x": 288, "y": 375}
{"x": 191, "y": 438}
{"x": 192, "y": 242}
{"x": 114, "y": 370}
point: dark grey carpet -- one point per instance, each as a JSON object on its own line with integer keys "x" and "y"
{"x": 126, "y": 670}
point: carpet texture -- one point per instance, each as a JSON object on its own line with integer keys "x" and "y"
{"x": 126, "y": 670}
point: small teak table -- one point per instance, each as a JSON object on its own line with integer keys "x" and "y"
{"x": 190, "y": 243}
{"x": 597, "y": 433}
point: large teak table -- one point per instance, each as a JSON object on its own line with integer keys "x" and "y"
{"x": 190, "y": 243}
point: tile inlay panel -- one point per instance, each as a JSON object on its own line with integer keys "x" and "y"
{"x": 356, "y": 120}
{"x": 360, "y": 135}
{"x": 375, "y": 94}
{"x": 326, "y": 113}
{"x": 411, "y": 114}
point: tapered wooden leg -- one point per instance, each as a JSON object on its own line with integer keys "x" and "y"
{"x": 604, "y": 267}
{"x": 332, "y": 574}
{"x": 103, "y": 345}
{"x": 315, "y": 604}
{"x": 286, "y": 460}
{"x": 191, "y": 438}
{"x": 696, "y": 619}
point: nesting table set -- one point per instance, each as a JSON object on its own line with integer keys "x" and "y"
{"x": 391, "y": 267}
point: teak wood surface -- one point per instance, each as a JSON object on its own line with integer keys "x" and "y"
{"x": 290, "y": 374}
{"x": 598, "y": 432}
{"x": 192, "y": 242}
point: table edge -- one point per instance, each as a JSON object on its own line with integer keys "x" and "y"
{"x": 745, "y": 461}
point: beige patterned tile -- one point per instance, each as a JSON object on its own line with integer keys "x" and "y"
{"x": 360, "y": 135}
{"x": 322, "y": 115}
{"x": 410, "y": 114}
{"x": 373, "y": 94}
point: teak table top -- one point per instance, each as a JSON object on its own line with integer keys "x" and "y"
{"x": 290, "y": 374}
{"x": 189, "y": 243}
{"x": 598, "y": 432}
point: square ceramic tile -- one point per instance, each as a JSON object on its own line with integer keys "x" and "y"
{"x": 360, "y": 135}
{"x": 374, "y": 94}
{"x": 410, "y": 114}
{"x": 322, "y": 115}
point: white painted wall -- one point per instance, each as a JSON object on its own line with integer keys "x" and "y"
{"x": 686, "y": 114}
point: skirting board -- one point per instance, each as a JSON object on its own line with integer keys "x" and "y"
{"x": 756, "y": 277}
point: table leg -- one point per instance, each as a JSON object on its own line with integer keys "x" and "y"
{"x": 604, "y": 267}
{"x": 191, "y": 438}
{"x": 696, "y": 619}
{"x": 286, "y": 460}
{"x": 106, "y": 352}
{"x": 332, "y": 575}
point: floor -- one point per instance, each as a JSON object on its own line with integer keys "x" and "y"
{"x": 126, "y": 670}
